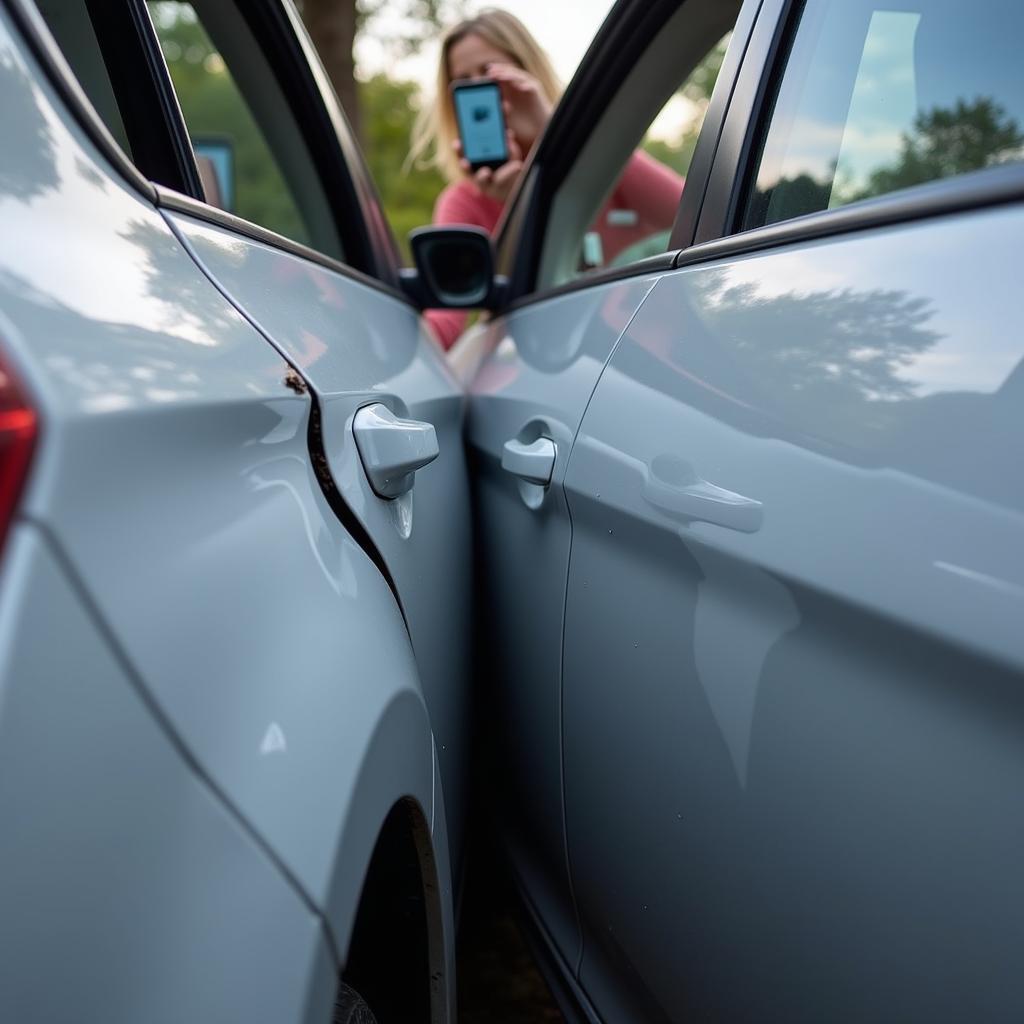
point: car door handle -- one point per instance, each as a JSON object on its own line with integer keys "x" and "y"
{"x": 392, "y": 449}
{"x": 684, "y": 494}
{"x": 533, "y": 463}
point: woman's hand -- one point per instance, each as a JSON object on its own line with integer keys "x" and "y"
{"x": 498, "y": 183}
{"x": 527, "y": 109}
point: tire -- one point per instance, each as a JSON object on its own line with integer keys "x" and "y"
{"x": 349, "y": 1007}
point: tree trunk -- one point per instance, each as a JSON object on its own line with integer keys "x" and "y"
{"x": 332, "y": 27}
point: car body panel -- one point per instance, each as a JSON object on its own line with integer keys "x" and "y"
{"x": 542, "y": 366}
{"x": 128, "y": 891}
{"x": 357, "y": 345}
{"x": 174, "y": 478}
{"x": 819, "y": 700}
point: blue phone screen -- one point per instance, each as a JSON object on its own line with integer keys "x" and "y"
{"x": 481, "y": 124}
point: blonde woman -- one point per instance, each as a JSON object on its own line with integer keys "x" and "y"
{"x": 495, "y": 44}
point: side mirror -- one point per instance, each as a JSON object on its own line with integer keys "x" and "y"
{"x": 454, "y": 269}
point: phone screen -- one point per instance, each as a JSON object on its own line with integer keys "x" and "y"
{"x": 481, "y": 123}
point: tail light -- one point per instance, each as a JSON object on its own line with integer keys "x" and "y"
{"x": 19, "y": 425}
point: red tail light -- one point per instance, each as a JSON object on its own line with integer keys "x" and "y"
{"x": 19, "y": 425}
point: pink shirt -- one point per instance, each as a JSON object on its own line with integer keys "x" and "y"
{"x": 644, "y": 202}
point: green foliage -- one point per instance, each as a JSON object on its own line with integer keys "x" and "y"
{"x": 949, "y": 141}
{"x": 408, "y": 193}
{"x": 213, "y": 106}
{"x": 676, "y": 155}
{"x": 697, "y": 89}
{"x": 701, "y": 82}
{"x": 421, "y": 20}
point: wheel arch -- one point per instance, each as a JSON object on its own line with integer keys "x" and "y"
{"x": 390, "y": 900}
{"x": 395, "y": 957}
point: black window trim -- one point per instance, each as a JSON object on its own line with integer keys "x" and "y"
{"x": 751, "y": 103}
{"x": 625, "y": 34}
{"x": 185, "y": 172}
{"x": 684, "y": 231}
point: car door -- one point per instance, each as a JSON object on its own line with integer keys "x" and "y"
{"x": 322, "y": 286}
{"x": 581, "y": 251}
{"x": 219, "y": 766}
{"x": 260, "y": 193}
{"x": 792, "y": 728}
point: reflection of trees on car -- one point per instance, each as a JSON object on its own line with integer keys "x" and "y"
{"x": 833, "y": 363}
{"x": 848, "y": 344}
{"x": 948, "y": 141}
{"x": 29, "y": 141}
{"x": 943, "y": 142}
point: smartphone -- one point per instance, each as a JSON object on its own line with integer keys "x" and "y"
{"x": 481, "y": 122}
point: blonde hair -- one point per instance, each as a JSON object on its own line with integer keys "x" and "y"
{"x": 435, "y": 129}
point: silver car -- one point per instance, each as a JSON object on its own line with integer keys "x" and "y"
{"x": 747, "y": 503}
{"x": 751, "y": 520}
{"x": 235, "y": 586}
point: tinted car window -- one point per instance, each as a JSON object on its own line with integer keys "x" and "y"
{"x": 637, "y": 217}
{"x": 73, "y": 32}
{"x": 878, "y": 97}
{"x": 618, "y": 201}
{"x": 231, "y": 130}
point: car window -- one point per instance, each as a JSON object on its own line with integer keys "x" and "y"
{"x": 877, "y": 97}
{"x": 636, "y": 218}
{"x": 618, "y": 203}
{"x": 252, "y": 156}
{"x": 73, "y": 31}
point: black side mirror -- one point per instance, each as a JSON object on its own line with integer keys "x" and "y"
{"x": 454, "y": 269}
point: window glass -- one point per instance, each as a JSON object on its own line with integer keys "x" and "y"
{"x": 878, "y": 97}
{"x": 240, "y": 172}
{"x": 635, "y": 220}
{"x": 619, "y": 201}
{"x": 72, "y": 30}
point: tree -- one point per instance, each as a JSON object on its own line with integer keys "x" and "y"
{"x": 941, "y": 143}
{"x": 214, "y": 107}
{"x": 334, "y": 25}
{"x": 697, "y": 88}
{"x": 700, "y": 84}
{"x": 946, "y": 141}
{"x": 408, "y": 193}
{"x": 28, "y": 140}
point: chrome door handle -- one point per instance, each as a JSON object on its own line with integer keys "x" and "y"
{"x": 392, "y": 449}
{"x": 533, "y": 463}
{"x": 690, "y": 497}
